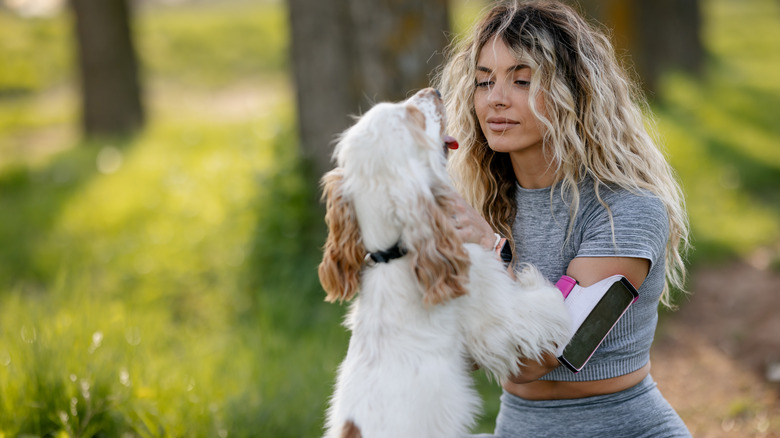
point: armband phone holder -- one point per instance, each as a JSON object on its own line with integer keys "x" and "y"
{"x": 594, "y": 311}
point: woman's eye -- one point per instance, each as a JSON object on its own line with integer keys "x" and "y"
{"x": 523, "y": 83}
{"x": 483, "y": 84}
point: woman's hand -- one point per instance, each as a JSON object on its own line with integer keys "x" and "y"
{"x": 471, "y": 226}
{"x": 532, "y": 370}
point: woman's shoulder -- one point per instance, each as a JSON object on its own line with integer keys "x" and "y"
{"x": 611, "y": 205}
{"x": 618, "y": 199}
{"x": 635, "y": 220}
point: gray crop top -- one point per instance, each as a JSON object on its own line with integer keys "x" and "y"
{"x": 640, "y": 230}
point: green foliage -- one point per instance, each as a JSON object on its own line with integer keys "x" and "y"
{"x": 165, "y": 284}
{"x": 121, "y": 277}
{"x": 34, "y": 54}
{"x": 214, "y": 43}
{"x": 721, "y": 132}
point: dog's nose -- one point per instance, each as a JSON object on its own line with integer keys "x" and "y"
{"x": 438, "y": 93}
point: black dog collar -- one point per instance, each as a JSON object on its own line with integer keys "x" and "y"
{"x": 394, "y": 252}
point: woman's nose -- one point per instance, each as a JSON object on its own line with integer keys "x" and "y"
{"x": 497, "y": 96}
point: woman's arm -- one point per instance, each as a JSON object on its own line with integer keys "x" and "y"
{"x": 532, "y": 370}
{"x": 473, "y": 228}
{"x": 587, "y": 271}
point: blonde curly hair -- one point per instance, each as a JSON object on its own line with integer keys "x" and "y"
{"x": 596, "y": 120}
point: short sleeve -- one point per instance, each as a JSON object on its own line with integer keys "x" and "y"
{"x": 641, "y": 228}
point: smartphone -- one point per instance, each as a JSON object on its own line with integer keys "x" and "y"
{"x": 597, "y": 325}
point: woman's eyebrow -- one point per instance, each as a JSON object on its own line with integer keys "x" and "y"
{"x": 511, "y": 69}
{"x": 518, "y": 67}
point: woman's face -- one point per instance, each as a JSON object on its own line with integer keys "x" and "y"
{"x": 501, "y": 100}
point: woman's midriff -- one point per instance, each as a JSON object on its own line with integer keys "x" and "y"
{"x": 557, "y": 390}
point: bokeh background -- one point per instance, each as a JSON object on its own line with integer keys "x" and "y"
{"x": 158, "y": 249}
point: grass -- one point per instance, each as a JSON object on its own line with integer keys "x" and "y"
{"x": 141, "y": 284}
{"x": 161, "y": 285}
{"x": 190, "y": 47}
{"x": 165, "y": 284}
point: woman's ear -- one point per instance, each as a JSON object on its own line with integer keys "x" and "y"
{"x": 441, "y": 263}
{"x": 342, "y": 260}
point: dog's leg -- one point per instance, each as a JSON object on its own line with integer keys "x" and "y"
{"x": 508, "y": 320}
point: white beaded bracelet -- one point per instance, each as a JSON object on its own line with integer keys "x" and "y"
{"x": 498, "y": 240}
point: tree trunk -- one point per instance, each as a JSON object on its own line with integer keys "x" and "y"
{"x": 111, "y": 93}
{"x": 397, "y": 44}
{"x": 323, "y": 74}
{"x": 350, "y": 54}
{"x": 656, "y": 35}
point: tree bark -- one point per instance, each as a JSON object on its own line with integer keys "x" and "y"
{"x": 653, "y": 36}
{"x": 349, "y": 54}
{"x": 110, "y": 88}
{"x": 323, "y": 74}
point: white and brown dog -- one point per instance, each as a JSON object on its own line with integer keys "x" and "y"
{"x": 428, "y": 306}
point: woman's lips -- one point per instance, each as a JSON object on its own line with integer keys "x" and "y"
{"x": 500, "y": 124}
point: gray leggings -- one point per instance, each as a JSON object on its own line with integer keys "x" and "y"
{"x": 640, "y": 411}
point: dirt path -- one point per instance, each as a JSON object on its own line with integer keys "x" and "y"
{"x": 714, "y": 358}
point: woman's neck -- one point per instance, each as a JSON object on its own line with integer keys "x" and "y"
{"x": 532, "y": 169}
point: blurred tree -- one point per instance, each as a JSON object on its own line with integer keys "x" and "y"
{"x": 348, "y": 54}
{"x": 657, "y": 35}
{"x": 111, "y": 93}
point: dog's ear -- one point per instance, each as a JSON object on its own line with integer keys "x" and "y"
{"x": 440, "y": 262}
{"x": 342, "y": 260}
{"x": 414, "y": 115}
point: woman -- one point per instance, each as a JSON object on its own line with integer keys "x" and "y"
{"x": 554, "y": 154}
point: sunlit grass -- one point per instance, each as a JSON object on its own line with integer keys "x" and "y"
{"x": 35, "y": 53}
{"x": 173, "y": 47}
{"x": 140, "y": 309}
{"x": 165, "y": 284}
{"x": 76, "y": 361}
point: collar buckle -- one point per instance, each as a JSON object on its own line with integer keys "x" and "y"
{"x": 368, "y": 260}
{"x": 394, "y": 252}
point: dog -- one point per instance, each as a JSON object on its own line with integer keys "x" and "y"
{"x": 428, "y": 306}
